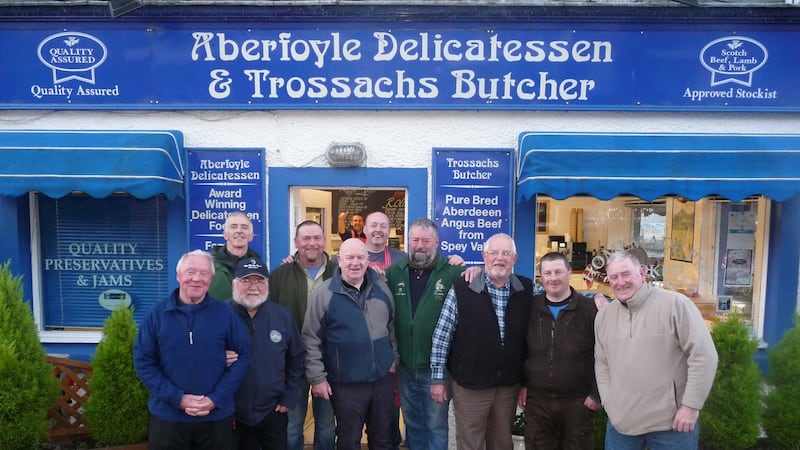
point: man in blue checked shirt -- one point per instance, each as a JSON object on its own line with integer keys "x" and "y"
{"x": 479, "y": 342}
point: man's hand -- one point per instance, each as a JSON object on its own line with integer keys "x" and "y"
{"x": 685, "y": 419}
{"x": 230, "y": 357}
{"x": 322, "y": 390}
{"x": 288, "y": 260}
{"x": 522, "y": 397}
{"x": 281, "y": 409}
{"x": 590, "y": 403}
{"x": 600, "y": 301}
{"x": 472, "y": 273}
{"x": 456, "y": 260}
{"x": 378, "y": 270}
{"x": 197, "y": 405}
{"x": 439, "y": 393}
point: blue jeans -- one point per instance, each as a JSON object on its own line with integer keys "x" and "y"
{"x": 425, "y": 420}
{"x": 656, "y": 440}
{"x": 324, "y": 425}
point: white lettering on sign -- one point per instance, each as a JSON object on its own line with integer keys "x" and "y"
{"x": 334, "y": 51}
{"x": 213, "y": 46}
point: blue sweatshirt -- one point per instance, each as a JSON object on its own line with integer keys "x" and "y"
{"x": 180, "y": 349}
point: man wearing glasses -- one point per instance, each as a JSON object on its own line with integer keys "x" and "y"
{"x": 270, "y": 388}
{"x": 479, "y": 344}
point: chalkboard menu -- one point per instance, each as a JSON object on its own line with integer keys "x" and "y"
{"x": 364, "y": 201}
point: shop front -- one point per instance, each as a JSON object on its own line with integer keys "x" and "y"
{"x": 671, "y": 131}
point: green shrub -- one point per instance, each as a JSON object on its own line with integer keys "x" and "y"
{"x": 782, "y": 411}
{"x": 600, "y": 421}
{"x": 116, "y": 412}
{"x": 732, "y": 412}
{"x": 518, "y": 426}
{"x": 27, "y": 386}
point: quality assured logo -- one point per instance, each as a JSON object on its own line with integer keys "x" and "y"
{"x": 72, "y": 56}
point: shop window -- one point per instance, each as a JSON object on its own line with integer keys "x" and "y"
{"x": 736, "y": 259}
{"x": 711, "y": 250}
{"x": 97, "y": 255}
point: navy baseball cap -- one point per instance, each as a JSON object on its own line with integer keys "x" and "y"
{"x": 250, "y": 266}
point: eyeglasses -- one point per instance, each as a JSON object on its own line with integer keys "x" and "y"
{"x": 504, "y": 253}
{"x": 251, "y": 281}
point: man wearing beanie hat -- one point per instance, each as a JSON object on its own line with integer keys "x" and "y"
{"x": 276, "y": 369}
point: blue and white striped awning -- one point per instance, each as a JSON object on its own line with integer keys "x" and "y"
{"x": 99, "y": 163}
{"x": 607, "y": 165}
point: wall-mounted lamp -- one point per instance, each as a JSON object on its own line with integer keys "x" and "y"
{"x": 122, "y": 7}
{"x": 346, "y": 154}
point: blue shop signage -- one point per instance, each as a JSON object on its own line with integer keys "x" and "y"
{"x": 375, "y": 66}
{"x": 219, "y": 182}
{"x": 471, "y": 198}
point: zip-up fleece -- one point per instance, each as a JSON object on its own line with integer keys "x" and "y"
{"x": 560, "y": 361}
{"x": 344, "y": 342}
{"x": 181, "y": 350}
{"x": 652, "y": 354}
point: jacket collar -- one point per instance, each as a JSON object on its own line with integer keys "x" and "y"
{"x": 638, "y": 298}
{"x": 478, "y": 284}
{"x": 175, "y": 300}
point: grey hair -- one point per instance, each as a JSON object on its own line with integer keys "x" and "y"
{"x": 179, "y": 266}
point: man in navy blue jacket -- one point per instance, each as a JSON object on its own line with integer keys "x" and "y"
{"x": 270, "y": 388}
{"x": 179, "y": 355}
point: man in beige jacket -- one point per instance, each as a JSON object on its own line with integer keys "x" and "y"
{"x": 654, "y": 362}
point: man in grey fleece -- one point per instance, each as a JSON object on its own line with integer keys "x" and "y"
{"x": 351, "y": 352}
{"x": 655, "y": 362}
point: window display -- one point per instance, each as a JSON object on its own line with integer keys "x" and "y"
{"x": 706, "y": 249}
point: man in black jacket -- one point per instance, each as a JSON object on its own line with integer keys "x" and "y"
{"x": 561, "y": 395}
{"x": 480, "y": 341}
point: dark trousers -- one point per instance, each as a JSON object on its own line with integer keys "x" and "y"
{"x": 163, "y": 435}
{"x": 356, "y": 404}
{"x": 558, "y": 424}
{"x": 269, "y": 434}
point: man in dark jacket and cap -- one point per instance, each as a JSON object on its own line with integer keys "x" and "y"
{"x": 270, "y": 388}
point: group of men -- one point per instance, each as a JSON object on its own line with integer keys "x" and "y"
{"x": 353, "y": 336}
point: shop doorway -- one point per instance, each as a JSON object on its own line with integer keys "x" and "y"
{"x": 299, "y": 193}
{"x": 324, "y": 205}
